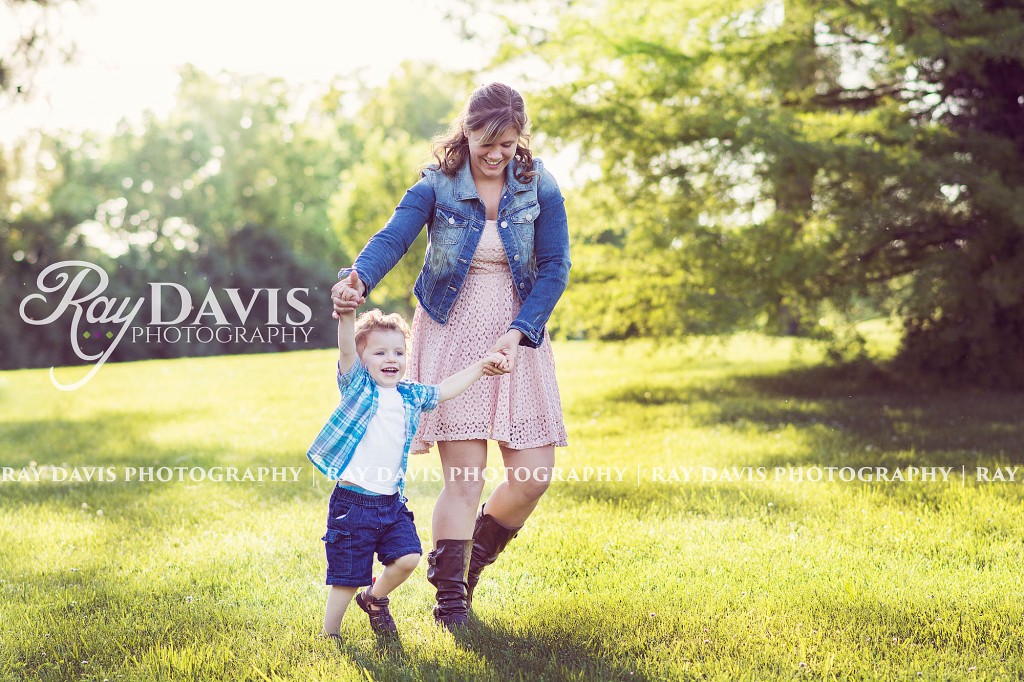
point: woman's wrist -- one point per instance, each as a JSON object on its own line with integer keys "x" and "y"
{"x": 360, "y": 287}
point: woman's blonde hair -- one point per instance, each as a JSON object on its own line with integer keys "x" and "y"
{"x": 491, "y": 109}
{"x": 376, "y": 321}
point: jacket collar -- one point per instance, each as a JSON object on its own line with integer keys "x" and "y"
{"x": 465, "y": 188}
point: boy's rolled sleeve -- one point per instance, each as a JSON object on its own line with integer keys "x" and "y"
{"x": 347, "y": 381}
{"x": 431, "y": 398}
{"x": 425, "y": 397}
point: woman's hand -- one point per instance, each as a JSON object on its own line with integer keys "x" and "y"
{"x": 347, "y": 295}
{"x": 508, "y": 345}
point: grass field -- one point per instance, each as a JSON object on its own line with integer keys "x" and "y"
{"x": 649, "y": 578}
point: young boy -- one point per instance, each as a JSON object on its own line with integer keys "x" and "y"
{"x": 365, "y": 447}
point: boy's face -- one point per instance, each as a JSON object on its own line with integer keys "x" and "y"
{"x": 384, "y": 357}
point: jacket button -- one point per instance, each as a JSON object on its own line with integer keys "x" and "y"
{"x": 529, "y": 217}
{"x": 451, "y": 288}
{"x": 451, "y": 221}
{"x": 515, "y": 257}
{"x": 504, "y": 223}
{"x": 520, "y": 285}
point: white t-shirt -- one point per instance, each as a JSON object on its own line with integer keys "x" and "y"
{"x": 377, "y": 462}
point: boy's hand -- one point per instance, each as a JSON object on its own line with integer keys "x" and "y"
{"x": 351, "y": 295}
{"x": 495, "y": 364}
{"x": 345, "y": 295}
{"x": 346, "y": 302}
{"x": 508, "y": 345}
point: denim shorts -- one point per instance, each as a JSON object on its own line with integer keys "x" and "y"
{"x": 359, "y": 525}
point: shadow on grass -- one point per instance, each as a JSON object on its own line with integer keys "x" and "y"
{"x": 113, "y": 438}
{"x": 552, "y": 652}
{"x": 875, "y": 420}
{"x": 505, "y": 653}
{"x": 390, "y": 659}
{"x": 114, "y": 449}
{"x": 851, "y": 417}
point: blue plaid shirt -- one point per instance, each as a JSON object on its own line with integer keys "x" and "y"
{"x": 334, "y": 446}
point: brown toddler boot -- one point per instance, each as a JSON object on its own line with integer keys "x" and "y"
{"x": 446, "y": 570}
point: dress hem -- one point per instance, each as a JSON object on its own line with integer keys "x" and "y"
{"x": 558, "y": 443}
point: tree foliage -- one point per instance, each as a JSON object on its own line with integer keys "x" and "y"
{"x": 229, "y": 190}
{"x": 787, "y": 165}
{"x": 395, "y": 127}
{"x": 247, "y": 183}
{"x": 33, "y": 27}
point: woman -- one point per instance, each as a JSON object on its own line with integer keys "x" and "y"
{"x": 496, "y": 264}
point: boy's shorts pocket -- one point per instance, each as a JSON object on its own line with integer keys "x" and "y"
{"x": 338, "y": 546}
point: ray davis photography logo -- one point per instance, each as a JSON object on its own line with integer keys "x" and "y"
{"x": 75, "y": 288}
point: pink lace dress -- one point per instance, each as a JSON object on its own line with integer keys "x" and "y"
{"x": 521, "y": 409}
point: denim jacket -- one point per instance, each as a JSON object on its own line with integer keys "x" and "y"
{"x": 533, "y": 230}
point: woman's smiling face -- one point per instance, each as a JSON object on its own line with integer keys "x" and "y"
{"x": 489, "y": 160}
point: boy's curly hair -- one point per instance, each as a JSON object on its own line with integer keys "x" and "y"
{"x": 377, "y": 321}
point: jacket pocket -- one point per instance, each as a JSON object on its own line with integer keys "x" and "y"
{"x": 523, "y": 223}
{"x": 448, "y": 227}
{"x": 526, "y": 214}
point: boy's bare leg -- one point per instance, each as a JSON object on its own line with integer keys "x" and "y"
{"x": 337, "y": 601}
{"x": 394, "y": 574}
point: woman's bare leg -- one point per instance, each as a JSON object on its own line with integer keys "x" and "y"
{"x": 463, "y": 463}
{"x": 527, "y": 476}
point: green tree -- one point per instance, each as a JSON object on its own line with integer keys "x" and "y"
{"x": 784, "y": 164}
{"x": 395, "y": 125}
{"x": 230, "y": 189}
{"x": 368, "y": 194}
{"x": 27, "y": 231}
{"x": 36, "y": 40}
{"x": 234, "y": 151}
{"x": 237, "y": 186}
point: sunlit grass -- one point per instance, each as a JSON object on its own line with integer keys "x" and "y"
{"x": 648, "y": 577}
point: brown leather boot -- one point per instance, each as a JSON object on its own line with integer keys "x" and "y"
{"x": 489, "y": 539}
{"x": 446, "y": 570}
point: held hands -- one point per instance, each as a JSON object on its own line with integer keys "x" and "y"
{"x": 508, "y": 346}
{"x": 495, "y": 364}
{"x": 490, "y": 365}
{"x": 346, "y": 295}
